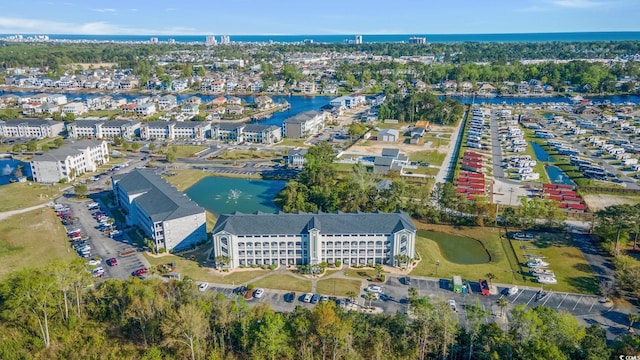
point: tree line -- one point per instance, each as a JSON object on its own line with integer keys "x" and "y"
{"x": 421, "y": 106}
{"x": 57, "y": 313}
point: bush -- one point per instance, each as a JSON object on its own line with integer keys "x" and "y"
{"x": 264, "y": 267}
{"x": 338, "y": 263}
{"x": 273, "y": 267}
{"x": 162, "y": 251}
{"x": 250, "y": 287}
{"x": 381, "y": 278}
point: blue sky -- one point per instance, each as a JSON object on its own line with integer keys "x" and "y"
{"x": 238, "y": 17}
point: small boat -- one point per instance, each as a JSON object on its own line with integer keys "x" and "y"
{"x": 542, "y": 272}
{"x": 513, "y": 290}
{"x": 546, "y": 279}
{"x": 537, "y": 263}
{"x": 576, "y": 98}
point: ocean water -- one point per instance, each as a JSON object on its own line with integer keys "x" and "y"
{"x": 377, "y": 38}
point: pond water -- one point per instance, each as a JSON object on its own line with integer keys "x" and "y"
{"x": 8, "y": 170}
{"x": 459, "y": 249}
{"x": 541, "y": 154}
{"x": 222, "y": 195}
{"x": 557, "y": 176}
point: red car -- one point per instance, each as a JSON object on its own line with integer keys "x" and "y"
{"x": 112, "y": 262}
{"x": 140, "y": 272}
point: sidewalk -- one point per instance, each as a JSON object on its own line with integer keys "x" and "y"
{"x": 8, "y": 214}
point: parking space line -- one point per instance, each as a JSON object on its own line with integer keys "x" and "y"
{"x": 593, "y": 304}
{"x": 561, "y": 301}
{"x": 534, "y": 295}
{"x": 547, "y": 299}
{"x": 517, "y": 296}
{"x": 577, "y": 302}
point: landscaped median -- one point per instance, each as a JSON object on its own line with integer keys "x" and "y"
{"x": 283, "y": 282}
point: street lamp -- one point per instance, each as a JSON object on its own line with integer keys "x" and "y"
{"x": 437, "y": 264}
{"x": 497, "y": 207}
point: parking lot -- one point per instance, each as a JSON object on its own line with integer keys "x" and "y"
{"x": 101, "y": 245}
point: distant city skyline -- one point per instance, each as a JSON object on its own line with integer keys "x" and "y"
{"x": 294, "y": 17}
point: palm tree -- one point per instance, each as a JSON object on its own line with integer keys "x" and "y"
{"x": 502, "y": 303}
{"x": 633, "y": 317}
{"x": 368, "y": 296}
{"x": 490, "y": 276}
{"x": 352, "y": 295}
{"x": 379, "y": 270}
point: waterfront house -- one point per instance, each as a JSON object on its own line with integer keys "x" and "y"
{"x": 263, "y": 102}
{"x": 232, "y": 100}
{"x": 219, "y": 101}
{"x": 145, "y": 109}
{"x": 235, "y": 110}
{"x": 75, "y": 108}
{"x": 167, "y": 102}
{"x": 296, "y": 156}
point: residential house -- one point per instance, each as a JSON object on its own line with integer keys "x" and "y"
{"x": 307, "y": 87}
{"x": 263, "y": 102}
{"x": 167, "y": 102}
{"x": 69, "y": 161}
{"x": 75, "y": 108}
{"x": 162, "y": 213}
{"x": 232, "y": 100}
{"x": 389, "y": 135}
{"x": 296, "y": 156}
{"x": 235, "y": 110}
{"x": 190, "y": 109}
{"x": 145, "y": 109}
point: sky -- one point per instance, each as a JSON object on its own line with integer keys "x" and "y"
{"x": 307, "y": 17}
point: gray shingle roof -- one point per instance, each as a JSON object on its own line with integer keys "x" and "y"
{"x": 63, "y": 152}
{"x": 159, "y": 199}
{"x": 302, "y": 117}
{"x": 259, "y": 128}
{"x": 30, "y": 122}
{"x": 327, "y": 223}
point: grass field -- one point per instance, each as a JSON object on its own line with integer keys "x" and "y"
{"x": 425, "y": 170}
{"x": 430, "y": 254}
{"x": 184, "y": 150}
{"x": 292, "y": 142}
{"x": 22, "y": 195}
{"x": 567, "y": 262}
{"x": 193, "y": 270}
{"x": 431, "y": 156}
{"x": 337, "y": 287}
{"x": 248, "y": 155}
{"x": 284, "y": 282}
{"x": 362, "y": 273}
{"x": 32, "y": 239}
{"x": 186, "y": 178}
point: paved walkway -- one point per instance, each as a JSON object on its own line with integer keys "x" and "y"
{"x": 7, "y": 214}
{"x": 448, "y": 164}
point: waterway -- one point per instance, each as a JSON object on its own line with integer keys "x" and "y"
{"x": 541, "y": 154}
{"x": 458, "y": 249}
{"x": 557, "y": 176}
{"x": 222, "y": 195}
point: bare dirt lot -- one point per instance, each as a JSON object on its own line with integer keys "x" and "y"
{"x": 597, "y": 202}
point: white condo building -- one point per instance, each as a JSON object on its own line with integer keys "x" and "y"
{"x": 69, "y": 161}
{"x": 30, "y": 128}
{"x": 160, "y": 211}
{"x": 312, "y": 238}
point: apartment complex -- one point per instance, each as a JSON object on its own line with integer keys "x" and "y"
{"x": 172, "y": 130}
{"x": 103, "y": 129}
{"x": 312, "y": 238}
{"x": 30, "y": 128}
{"x": 303, "y": 124}
{"x": 69, "y": 161}
{"x": 160, "y": 211}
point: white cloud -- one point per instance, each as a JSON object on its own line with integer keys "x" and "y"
{"x": 576, "y": 4}
{"x": 10, "y": 25}
{"x": 105, "y": 10}
{"x": 133, "y": 9}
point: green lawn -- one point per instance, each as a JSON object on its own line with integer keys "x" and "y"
{"x": 284, "y": 282}
{"x": 292, "y": 142}
{"x": 184, "y": 150}
{"x": 32, "y": 239}
{"x": 431, "y": 156}
{"x": 567, "y": 262}
{"x": 186, "y": 178}
{"x": 430, "y": 254}
{"x": 363, "y": 273}
{"x": 249, "y": 155}
{"x": 22, "y": 195}
{"x": 338, "y": 287}
{"x": 197, "y": 271}
{"x": 425, "y": 170}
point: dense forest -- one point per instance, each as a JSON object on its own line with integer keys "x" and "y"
{"x": 55, "y": 313}
{"x": 422, "y": 106}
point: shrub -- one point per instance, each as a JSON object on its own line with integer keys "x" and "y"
{"x": 162, "y": 251}
{"x": 338, "y": 263}
{"x": 273, "y": 267}
{"x": 250, "y": 287}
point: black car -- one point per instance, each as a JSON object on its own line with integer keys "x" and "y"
{"x": 289, "y": 297}
{"x": 407, "y": 280}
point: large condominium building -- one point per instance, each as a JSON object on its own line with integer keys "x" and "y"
{"x": 103, "y": 129}
{"x": 312, "y": 238}
{"x": 160, "y": 211}
{"x": 172, "y": 130}
{"x": 69, "y": 161}
{"x": 30, "y": 128}
{"x": 303, "y": 124}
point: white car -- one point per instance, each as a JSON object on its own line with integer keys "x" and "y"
{"x": 452, "y": 305}
{"x": 307, "y": 297}
{"x": 203, "y": 287}
{"x": 95, "y": 262}
{"x": 258, "y": 293}
{"x": 374, "y": 289}
{"x": 98, "y": 270}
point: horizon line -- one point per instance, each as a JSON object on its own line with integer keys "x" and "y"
{"x": 345, "y": 34}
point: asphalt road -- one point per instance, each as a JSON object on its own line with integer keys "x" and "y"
{"x": 496, "y": 148}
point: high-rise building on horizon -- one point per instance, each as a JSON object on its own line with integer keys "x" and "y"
{"x": 211, "y": 40}
{"x": 417, "y": 40}
{"x": 224, "y": 39}
{"x": 358, "y": 40}
{"x": 153, "y": 40}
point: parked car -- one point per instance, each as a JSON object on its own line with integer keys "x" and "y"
{"x": 95, "y": 262}
{"x": 258, "y": 293}
{"x": 374, "y": 289}
{"x": 289, "y": 297}
{"x": 112, "y": 262}
{"x": 315, "y": 298}
{"x": 307, "y": 297}
{"x": 203, "y": 287}
{"x": 452, "y": 305}
{"x": 140, "y": 271}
